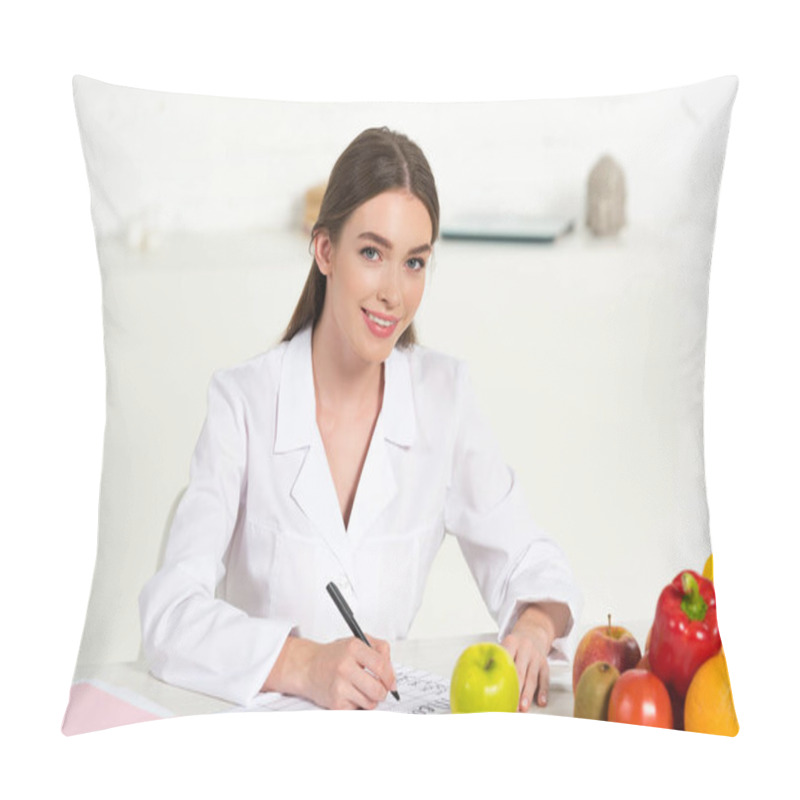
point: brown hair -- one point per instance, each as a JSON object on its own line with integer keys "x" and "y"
{"x": 376, "y": 161}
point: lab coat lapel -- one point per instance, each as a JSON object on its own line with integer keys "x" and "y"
{"x": 395, "y": 427}
{"x": 315, "y": 493}
{"x": 296, "y": 428}
{"x": 313, "y": 489}
{"x": 376, "y": 486}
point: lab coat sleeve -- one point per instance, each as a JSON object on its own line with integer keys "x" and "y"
{"x": 512, "y": 560}
{"x": 190, "y": 638}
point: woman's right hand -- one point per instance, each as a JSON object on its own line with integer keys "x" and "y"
{"x": 344, "y": 674}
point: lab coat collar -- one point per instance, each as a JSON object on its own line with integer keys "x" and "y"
{"x": 399, "y": 424}
{"x": 296, "y": 414}
{"x": 313, "y": 489}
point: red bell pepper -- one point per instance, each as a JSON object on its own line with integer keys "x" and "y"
{"x": 685, "y": 632}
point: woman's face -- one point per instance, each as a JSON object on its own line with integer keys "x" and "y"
{"x": 376, "y": 272}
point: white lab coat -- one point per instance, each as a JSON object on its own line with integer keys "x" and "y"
{"x": 259, "y": 533}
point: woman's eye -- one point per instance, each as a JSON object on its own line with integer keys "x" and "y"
{"x": 416, "y": 263}
{"x": 370, "y": 253}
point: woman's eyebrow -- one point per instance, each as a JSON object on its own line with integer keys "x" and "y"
{"x": 385, "y": 243}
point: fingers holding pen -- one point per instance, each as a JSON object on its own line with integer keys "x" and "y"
{"x": 375, "y": 658}
{"x": 373, "y": 676}
{"x": 385, "y": 670}
{"x": 342, "y": 678}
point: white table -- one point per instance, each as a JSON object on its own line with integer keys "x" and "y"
{"x": 131, "y": 680}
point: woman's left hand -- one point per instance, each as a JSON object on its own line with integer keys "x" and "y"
{"x": 529, "y": 643}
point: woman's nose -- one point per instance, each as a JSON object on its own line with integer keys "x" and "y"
{"x": 389, "y": 288}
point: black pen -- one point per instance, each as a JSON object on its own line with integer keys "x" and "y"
{"x": 344, "y": 610}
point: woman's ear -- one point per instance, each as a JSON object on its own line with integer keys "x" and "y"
{"x": 323, "y": 248}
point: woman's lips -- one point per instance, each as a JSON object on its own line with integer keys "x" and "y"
{"x": 380, "y": 324}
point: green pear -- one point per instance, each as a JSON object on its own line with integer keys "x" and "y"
{"x": 593, "y": 691}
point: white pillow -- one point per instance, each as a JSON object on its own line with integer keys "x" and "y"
{"x": 197, "y": 202}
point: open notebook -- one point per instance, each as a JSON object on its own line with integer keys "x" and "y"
{"x": 420, "y": 693}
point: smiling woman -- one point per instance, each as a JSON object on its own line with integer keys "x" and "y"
{"x": 344, "y": 454}
{"x": 377, "y": 160}
{"x": 379, "y": 285}
{"x": 371, "y": 298}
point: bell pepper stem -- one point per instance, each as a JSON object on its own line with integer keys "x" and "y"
{"x": 693, "y": 604}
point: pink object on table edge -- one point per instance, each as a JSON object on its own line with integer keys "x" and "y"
{"x": 92, "y": 709}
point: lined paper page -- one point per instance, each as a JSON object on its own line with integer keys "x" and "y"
{"x": 420, "y": 692}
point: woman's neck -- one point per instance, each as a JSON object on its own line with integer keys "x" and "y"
{"x": 342, "y": 381}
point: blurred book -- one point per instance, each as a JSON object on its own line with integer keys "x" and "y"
{"x": 506, "y": 228}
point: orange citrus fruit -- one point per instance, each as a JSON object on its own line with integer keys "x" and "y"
{"x": 708, "y": 569}
{"x": 709, "y": 703}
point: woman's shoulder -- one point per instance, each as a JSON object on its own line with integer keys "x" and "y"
{"x": 430, "y": 358}
{"x": 433, "y": 368}
{"x": 254, "y": 373}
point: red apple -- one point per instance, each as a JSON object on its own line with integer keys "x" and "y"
{"x": 610, "y": 643}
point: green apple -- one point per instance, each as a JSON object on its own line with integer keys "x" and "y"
{"x": 484, "y": 679}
